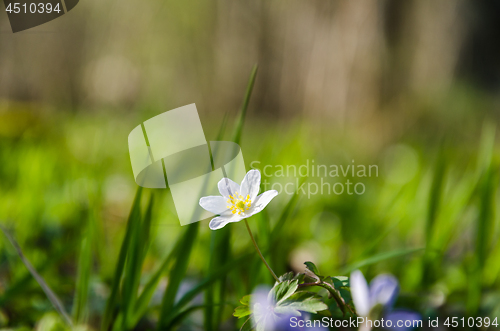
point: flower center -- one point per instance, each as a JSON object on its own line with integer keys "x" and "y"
{"x": 239, "y": 204}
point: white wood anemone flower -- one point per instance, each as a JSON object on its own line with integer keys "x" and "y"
{"x": 237, "y": 202}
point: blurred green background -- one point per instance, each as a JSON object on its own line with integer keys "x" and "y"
{"x": 410, "y": 86}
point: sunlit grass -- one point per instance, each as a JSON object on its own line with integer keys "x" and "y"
{"x": 435, "y": 229}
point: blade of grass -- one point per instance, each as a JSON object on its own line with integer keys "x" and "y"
{"x": 56, "y": 302}
{"x": 19, "y": 287}
{"x": 222, "y": 254}
{"x": 181, "y": 261}
{"x": 276, "y": 234}
{"x": 256, "y": 273}
{"x": 212, "y": 261}
{"x": 146, "y": 227}
{"x": 185, "y": 313}
{"x": 177, "y": 273}
{"x": 378, "y": 258}
{"x": 84, "y": 270}
{"x": 142, "y": 303}
{"x": 484, "y": 232}
{"x": 223, "y": 236}
{"x": 485, "y": 178}
{"x": 435, "y": 197}
{"x": 115, "y": 286}
{"x": 375, "y": 243}
{"x": 220, "y": 137}
{"x": 486, "y": 148}
{"x": 285, "y": 214}
{"x": 209, "y": 293}
{"x": 209, "y": 280}
{"x": 485, "y": 225}
{"x": 133, "y": 267}
{"x": 241, "y": 119}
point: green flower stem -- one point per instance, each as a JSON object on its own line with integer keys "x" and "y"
{"x": 258, "y": 251}
{"x": 309, "y": 284}
{"x": 334, "y": 293}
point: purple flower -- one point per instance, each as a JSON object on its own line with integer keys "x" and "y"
{"x": 263, "y": 309}
{"x": 265, "y": 318}
{"x": 383, "y": 291}
{"x": 402, "y": 317}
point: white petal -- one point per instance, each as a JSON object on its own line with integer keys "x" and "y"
{"x": 261, "y": 202}
{"x": 214, "y": 204}
{"x": 263, "y": 309}
{"x": 227, "y": 187}
{"x": 384, "y": 289}
{"x": 251, "y": 184}
{"x": 360, "y": 293}
{"x": 221, "y": 221}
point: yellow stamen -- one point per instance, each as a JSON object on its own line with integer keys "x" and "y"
{"x": 238, "y": 203}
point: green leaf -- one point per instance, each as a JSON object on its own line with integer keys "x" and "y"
{"x": 281, "y": 291}
{"x": 246, "y": 300}
{"x": 247, "y": 326}
{"x": 287, "y": 309}
{"x": 301, "y": 301}
{"x": 334, "y": 293}
{"x": 290, "y": 291}
{"x": 242, "y": 311}
{"x": 345, "y": 292}
{"x": 287, "y": 277}
{"x": 312, "y": 267}
{"x": 340, "y": 281}
{"x": 332, "y": 285}
{"x": 300, "y": 277}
